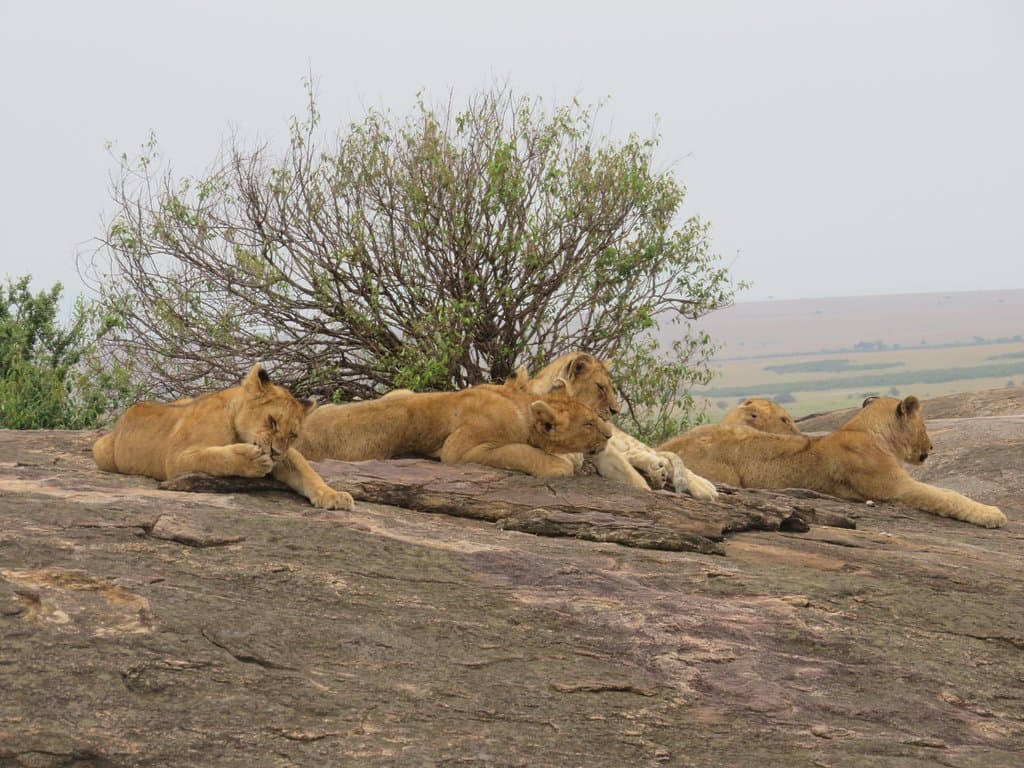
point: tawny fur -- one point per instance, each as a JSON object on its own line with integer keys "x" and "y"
{"x": 499, "y": 426}
{"x": 860, "y": 460}
{"x": 586, "y": 378}
{"x": 247, "y": 430}
{"x": 764, "y": 415}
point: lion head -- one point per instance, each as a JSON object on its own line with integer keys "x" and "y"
{"x": 581, "y": 376}
{"x": 897, "y": 422}
{"x": 268, "y": 415}
{"x": 764, "y": 415}
{"x": 563, "y": 424}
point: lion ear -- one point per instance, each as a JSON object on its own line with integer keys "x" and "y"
{"x": 518, "y": 378}
{"x": 256, "y": 379}
{"x": 543, "y": 416}
{"x": 908, "y": 406}
{"x": 308, "y": 405}
{"x": 579, "y": 365}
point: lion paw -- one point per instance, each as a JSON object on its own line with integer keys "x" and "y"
{"x": 701, "y": 488}
{"x": 656, "y": 472}
{"x": 255, "y": 462}
{"x": 328, "y": 498}
{"x": 677, "y": 472}
{"x": 577, "y": 461}
{"x": 988, "y": 516}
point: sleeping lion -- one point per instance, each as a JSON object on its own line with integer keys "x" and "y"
{"x": 625, "y": 459}
{"x": 500, "y": 426}
{"x": 247, "y": 430}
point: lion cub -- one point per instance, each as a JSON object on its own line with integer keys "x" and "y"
{"x": 499, "y": 426}
{"x": 860, "y": 460}
{"x": 764, "y": 415}
{"x": 246, "y": 430}
{"x": 625, "y": 459}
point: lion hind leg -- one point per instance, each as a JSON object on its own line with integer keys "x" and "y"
{"x": 294, "y": 471}
{"x": 237, "y": 459}
{"x": 103, "y": 453}
{"x": 947, "y": 503}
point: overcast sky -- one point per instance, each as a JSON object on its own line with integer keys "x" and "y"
{"x": 837, "y": 148}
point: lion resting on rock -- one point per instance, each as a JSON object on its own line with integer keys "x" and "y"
{"x": 861, "y": 460}
{"x": 247, "y": 430}
{"x": 499, "y": 426}
{"x": 586, "y": 378}
{"x": 764, "y": 415}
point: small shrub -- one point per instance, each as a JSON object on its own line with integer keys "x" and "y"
{"x": 50, "y": 376}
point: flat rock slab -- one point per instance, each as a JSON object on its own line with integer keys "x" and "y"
{"x": 584, "y": 507}
{"x": 141, "y": 627}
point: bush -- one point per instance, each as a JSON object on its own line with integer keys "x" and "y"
{"x": 434, "y": 252}
{"x": 49, "y": 377}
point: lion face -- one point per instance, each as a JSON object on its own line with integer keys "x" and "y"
{"x": 269, "y": 416}
{"x": 764, "y": 415}
{"x": 918, "y": 446}
{"x": 584, "y": 377}
{"x": 900, "y": 423}
{"x": 566, "y": 425}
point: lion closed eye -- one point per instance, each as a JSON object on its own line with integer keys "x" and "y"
{"x": 247, "y": 430}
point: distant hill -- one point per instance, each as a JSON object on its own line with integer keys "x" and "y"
{"x": 865, "y": 323}
{"x": 1007, "y": 401}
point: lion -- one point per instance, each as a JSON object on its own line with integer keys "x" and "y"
{"x": 764, "y": 415}
{"x": 861, "y": 460}
{"x": 248, "y": 430}
{"x": 586, "y": 378}
{"x": 500, "y": 426}
{"x": 516, "y": 382}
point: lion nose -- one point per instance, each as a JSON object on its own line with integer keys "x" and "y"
{"x": 924, "y": 455}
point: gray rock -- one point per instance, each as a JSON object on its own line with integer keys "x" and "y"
{"x": 140, "y": 626}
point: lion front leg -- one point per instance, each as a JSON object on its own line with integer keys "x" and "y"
{"x": 652, "y": 465}
{"x": 683, "y": 479}
{"x": 947, "y": 503}
{"x": 237, "y": 459}
{"x": 576, "y": 459}
{"x": 520, "y": 457}
{"x": 612, "y": 463}
{"x": 294, "y": 471}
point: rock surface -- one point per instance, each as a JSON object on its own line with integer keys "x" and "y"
{"x": 140, "y": 626}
